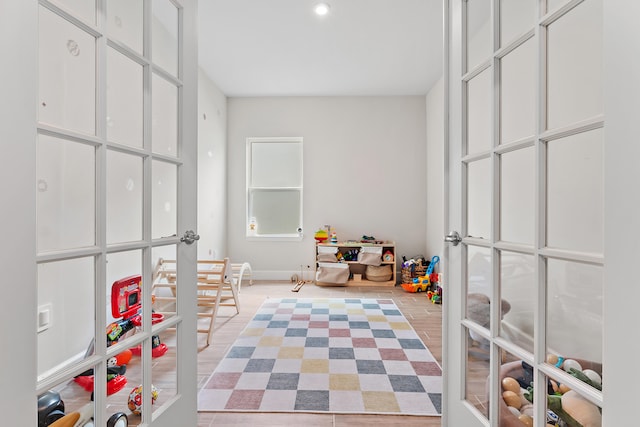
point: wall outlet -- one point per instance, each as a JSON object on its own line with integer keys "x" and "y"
{"x": 44, "y": 317}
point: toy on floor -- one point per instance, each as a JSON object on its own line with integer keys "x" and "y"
{"x": 424, "y": 283}
{"x": 126, "y": 304}
{"x": 300, "y": 281}
{"x": 50, "y": 408}
{"x": 435, "y": 296}
{"x": 51, "y": 414}
{"x": 134, "y": 401}
{"x": 84, "y": 417}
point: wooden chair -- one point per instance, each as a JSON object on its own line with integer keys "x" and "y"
{"x": 241, "y": 271}
{"x": 216, "y": 288}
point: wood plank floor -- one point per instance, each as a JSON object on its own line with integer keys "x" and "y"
{"x": 425, "y": 317}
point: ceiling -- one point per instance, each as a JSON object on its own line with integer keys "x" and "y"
{"x": 281, "y": 48}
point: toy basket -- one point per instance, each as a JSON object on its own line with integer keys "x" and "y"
{"x": 412, "y": 271}
{"x": 380, "y": 273}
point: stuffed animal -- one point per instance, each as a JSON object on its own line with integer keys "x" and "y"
{"x": 478, "y": 310}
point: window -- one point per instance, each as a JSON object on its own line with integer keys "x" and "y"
{"x": 274, "y": 188}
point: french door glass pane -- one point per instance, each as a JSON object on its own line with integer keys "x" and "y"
{"x": 574, "y": 310}
{"x": 124, "y": 99}
{"x": 164, "y": 198}
{"x": 555, "y": 4}
{"x": 517, "y": 196}
{"x": 276, "y": 164}
{"x": 65, "y": 194}
{"x": 518, "y": 289}
{"x": 164, "y": 121}
{"x": 125, "y": 22}
{"x": 516, "y": 18}
{"x": 66, "y": 313}
{"x": 124, "y": 270}
{"x": 575, "y": 200}
{"x": 479, "y": 113}
{"x": 518, "y": 93}
{"x": 164, "y": 36}
{"x": 574, "y": 91}
{"x": 164, "y": 290}
{"x": 124, "y": 197}
{"x": 84, "y": 9}
{"x": 476, "y": 375}
{"x": 595, "y": 412}
{"x": 514, "y": 409}
{"x": 479, "y": 199}
{"x": 479, "y": 284}
{"x": 479, "y": 45}
{"x": 76, "y": 394}
{"x": 164, "y": 369}
{"x": 275, "y": 211}
{"x": 67, "y": 70}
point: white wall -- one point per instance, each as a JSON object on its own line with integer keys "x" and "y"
{"x": 212, "y": 170}
{"x": 435, "y": 169}
{"x": 364, "y": 173}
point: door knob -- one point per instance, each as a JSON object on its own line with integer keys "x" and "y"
{"x": 453, "y": 237}
{"x": 189, "y": 237}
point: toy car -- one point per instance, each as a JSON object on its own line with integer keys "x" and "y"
{"x": 416, "y": 287}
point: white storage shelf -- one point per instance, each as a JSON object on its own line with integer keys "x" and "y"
{"x": 357, "y": 270}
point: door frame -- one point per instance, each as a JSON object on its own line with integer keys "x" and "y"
{"x": 18, "y": 34}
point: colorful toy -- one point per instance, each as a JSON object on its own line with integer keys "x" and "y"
{"x": 321, "y": 235}
{"x": 135, "y": 399}
{"x": 125, "y": 303}
{"x": 424, "y": 283}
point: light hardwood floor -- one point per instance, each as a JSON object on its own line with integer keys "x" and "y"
{"x": 425, "y": 317}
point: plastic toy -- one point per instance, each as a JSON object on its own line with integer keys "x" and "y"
{"x": 135, "y": 399}
{"x": 84, "y": 417}
{"x": 321, "y": 235}
{"x": 423, "y": 283}
{"x": 51, "y": 414}
{"x": 125, "y": 303}
{"x": 50, "y": 408}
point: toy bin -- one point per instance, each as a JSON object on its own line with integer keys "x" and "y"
{"x": 411, "y": 272}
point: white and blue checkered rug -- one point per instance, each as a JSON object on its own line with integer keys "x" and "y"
{"x": 352, "y": 356}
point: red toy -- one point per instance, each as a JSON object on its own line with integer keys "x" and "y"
{"x": 125, "y": 302}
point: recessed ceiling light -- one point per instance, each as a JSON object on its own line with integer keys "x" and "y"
{"x": 321, "y": 9}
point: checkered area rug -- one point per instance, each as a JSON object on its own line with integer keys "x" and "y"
{"x": 356, "y": 356}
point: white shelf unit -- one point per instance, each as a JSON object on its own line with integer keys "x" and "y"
{"x": 357, "y": 270}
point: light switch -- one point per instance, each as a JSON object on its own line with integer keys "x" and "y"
{"x": 44, "y": 317}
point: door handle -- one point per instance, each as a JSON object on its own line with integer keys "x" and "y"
{"x": 189, "y": 237}
{"x": 453, "y": 237}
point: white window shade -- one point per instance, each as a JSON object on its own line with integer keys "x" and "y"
{"x": 274, "y": 187}
{"x": 276, "y": 164}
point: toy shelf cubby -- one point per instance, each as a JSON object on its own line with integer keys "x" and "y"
{"x": 357, "y": 276}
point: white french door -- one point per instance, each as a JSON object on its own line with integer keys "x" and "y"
{"x": 111, "y": 158}
{"x": 526, "y": 145}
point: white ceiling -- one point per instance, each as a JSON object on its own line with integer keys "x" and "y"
{"x": 281, "y": 48}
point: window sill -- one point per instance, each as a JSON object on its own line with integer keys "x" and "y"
{"x": 275, "y": 238}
